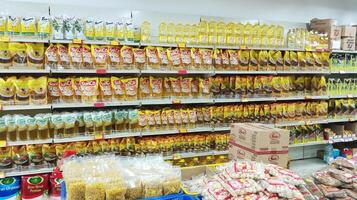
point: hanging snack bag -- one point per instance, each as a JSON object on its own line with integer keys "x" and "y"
{"x": 77, "y": 88}
{"x": 100, "y": 56}
{"x": 156, "y": 85}
{"x": 118, "y": 88}
{"x": 19, "y": 156}
{"x": 174, "y": 56}
{"x": 5, "y": 55}
{"x": 287, "y": 61}
{"x": 301, "y": 57}
{"x": 89, "y": 29}
{"x": 271, "y": 61}
{"x": 35, "y": 153}
{"x": 139, "y": 58}
{"x": 163, "y": 57}
{"x": 35, "y": 55}
{"x": 144, "y": 87}
{"x": 196, "y": 58}
{"x": 127, "y": 55}
{"x": 7, "y": 91}
{"x": 18, "y": 53}
{"x": 244, "y": 61}
{"x": 87, "y": 58}
{"x": 233, "y": 59}
{"x": 66, "y": 90}
{"x": 176, "y": 86}
{"x": 186, "y": 58}
{"x": 38, "y": 90}
{"x": 131, "y": 88}
{"x": 310, "y": 61}
{"x": 44, "y": 27}
{"x": 75, "y": 53}
{"x": 99, "y": 30}
{"x": 13, "y": 25}
{"x": 28, "y": 26}
{"x": 114, "y": 59}
{"x": 22, "y": 96}
{"x": 64, "y": 58}
{"x": 39, "y": 181}
{"x": 89, "y": 88}
{"x": 207, "y": 58}
{"x": 263, "y": 60}
{"x": 152, "y": 58}
{"x": 105, "y": 89}
{"x": 57, "y": 27}
{"x": 51, "y": 57}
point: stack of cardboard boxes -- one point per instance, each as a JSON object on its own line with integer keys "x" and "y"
{"x": 259, "y": 142}
{"x": 341, "y": 37}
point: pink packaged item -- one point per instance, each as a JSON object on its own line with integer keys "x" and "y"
{"x": 34, "y": 187}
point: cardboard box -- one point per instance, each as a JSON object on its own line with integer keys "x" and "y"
{"x": 348, "y": 31}
{"x": 322, "y": 25}
{"x": 259, "y": 136}
{"x": 335, "y": 44}
{"x": 279, "y": 158}
{"x": 334, "y": 32}
{"x": 348, "y": 43}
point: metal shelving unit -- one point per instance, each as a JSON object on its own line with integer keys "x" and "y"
{"x": 25, "y": 107}
{"x": 30, "y": 171}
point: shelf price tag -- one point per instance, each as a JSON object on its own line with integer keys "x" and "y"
{"x": 342, "y": 72}
{"x": 308, "y": 122}
{"x": 176, "y": 101}
{"x": 2, "y": 143}
{"x": 182, "y": 71}
{"x": 98, "y": 136}
{"x": 181, "y": 45}
{"x": 4, "y": 39}
{"x": 77, "y": 41}
{"x": 101, "y": 71}
{"x": 99, "y": 104}
{"x": 182, "y": 130}
{"x": 243, "y": 47}
{"x": 349, "y": 96}
{"x": 176, "y": 156}
{"x": 115, "y": 43}
{"x": 2, "y": 174}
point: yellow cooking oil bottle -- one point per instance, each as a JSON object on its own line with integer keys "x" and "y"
{"x": 162, "y": 32}
{"x": 203, "y": 32}
{"x": 264, "y": 40}
{"x": 212, "y": 32}
{"x": 248, "y": 40}
{"x": 179, "y": 33}
{"x": 221, "y": 33}
{"x": 146, "y": 31}
{"x": 255, "y": 32}
{"x": 280, "y": 36}
{"x": 187, "y": 34}
{"x": 194, "y": 32}
{"x": 171, "y": 35}
{"x": 271, "y": 36}
{"x": 230, "y": 34}
{"x": 239, "y": 34}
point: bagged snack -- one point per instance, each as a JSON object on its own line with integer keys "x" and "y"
{"x": 186, "y": 87}
{"x": 131, "y": 88}
{"x": 51, "y": 56}
{"x": 89, "y": 88}
{"x": 163, "y": 57}
{"x": 156, "y": 85}
{"x": 100, "y": 56}
{"x": 250, "y": 60}
{"x": 342, "y": 175}
{"x": 53, "y": 90}
{"x": 118, "y": 88}
{"x": 263, "y": 60}
{"x": 88, "y": 122}
{"x": 114, "y": 58}
{"x": 35, "y": 55}
{"x": 18, "y": 54}
{"x": 87, "y": 57}
{"x": 279, "y": 60}
{"x": 344, "y": 162}
{"x": 283, "y": 189}
{"x": 66, "y": 90}
{"x": 19, "y": 156}
{"x": 310, "y": 61}
{"x": 69, "y": 120}
{"x": 8, "y": 90}
{"x": 196, "y": 58}
{"x": 144, "y": 87}
{"x": 35, "y": 153}
{"x": 301, "y": 58}
{"x": 63, "y": 57}
{"x": 286, "y": 61}
{"x": 205, "y": 86}
{"x": 233, "y": 59}
{"x": 39, "y": 181}
{"x": 142, "y": 119}
{"x": 38, "y": 90}
{"x": 5, "y": 158}
{"x": 22, "y": 96}
{"x": 332, "y": 192}
{"x": 176, "y": 86}
{"x": 77, "y": 88}
{"x": 186, "y": 58}
{"x": 127, "y": 55}
{"x": 167, "y": 87}
{"x": 49, "y": 153}
{"x": 207, "y": 58}
{"x": 174, "y": 57}
{"x": 105, "y": 86}
{"x": 5, "y": 55}
{"x": 152, "y": 57}
{"x": 75, "y": 53}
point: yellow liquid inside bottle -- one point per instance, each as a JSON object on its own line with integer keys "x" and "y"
{"x": 221, "y": 33}
{"x": 179, "y": 28}
{"x": 248, "y": 38}
{"x": 212, "y": 32}
{"x": 229, "y": 31}
{"x": 194, "y": 34}
{"x": 171, "y": 34}
{"x": 146, "y": 31}
{"x": 163, "y": 32}
{"x": 239, "y": 34}
{"x": 203, "y": 32}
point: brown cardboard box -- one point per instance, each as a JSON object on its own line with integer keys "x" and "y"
{"x": 259, "y": 136}
{"x": 348, "y": 43}
{"x": 334, "y": 32}
{"x": 348, "y": 31}
{"x": 268, "y": 157}
{"x": 322, "y": 25}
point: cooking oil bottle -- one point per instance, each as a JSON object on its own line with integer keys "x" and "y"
{"x": 212, "y": 32}
{"x": 271, "y": 36}
{"x": 264, "y": 40}
{"x": 171, "y": 33}
{"x": 221, "y": 33}
{"x": 179, "y": 33}
{"x": 187, "y": 34}
{"x": 163, "y": 32}
{"x": 280, "y": 37}
{"x": 255, "y": 32}
{"x": 239, "y": 34}
{"x": 229, "y": 31}
{"x": 146, "y": 31}
{"x": 248, "y": 40}
{"x": 194, "y": 34}
{"x": 202, "y": 32}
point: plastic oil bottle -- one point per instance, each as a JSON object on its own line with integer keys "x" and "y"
{"x": 239, "y": 34}
{"x": 264, "y": 40}
{"x": 162, "y": 32}
{"x": 255, "y": 35}
{"x": 271, "y": 36}
{"x": 171, "y": 33}
{"x": 280, "y": 37}
{"x": 221, "y": 33}
{"x": 179, "y": 33}
{"x": 202, "y": 32}
{"x": 121, "y": 31}
{"x": 129, "y": 31}
{"x": 229, "y": 31}
{"x": 212, "y": 32}
{"x": 248, "y": 40}
{"x": 187, "y": 33}
{"x": 146, "y": 31}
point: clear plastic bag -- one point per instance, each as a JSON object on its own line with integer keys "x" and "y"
{"x": 172, "y": 181}
{"x": 324, "y": 178}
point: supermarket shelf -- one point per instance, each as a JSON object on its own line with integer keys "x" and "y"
{"x": 195, "y": 154}
{"x": 180, "y": 72}
{"x": 121, "y": 135}
{"x": 73, "y": 139}
{"x": 341, "y": 120}
{"x": 24, "y": 71}
{"x": 219, "y": 72}
{"x": 28, "y": 39}
{"x": 302, "y": 72}
{"x": 222, "y": 128}
{"x": 93, "y": 71}
{"x": 306, "y": 167}
{"x": 176, "y": 131}
{"x": 343, "y": 51}
{"x": 308, "y": 144}
{"x": 28, "y": 171}
{"x": 175, "y": 101}
{"x": 18, "y": 143}
{"x": 25, "y": 107}
{"x": 343, "y": 72}
{"x": 94, "y": 105}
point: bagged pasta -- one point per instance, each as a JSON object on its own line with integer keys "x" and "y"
{"x": 114, "y": 58}
{"x": 75, "y": 53}
{"x": 51, "y": 56}
{"x": 118, "y": 87}
{"x": 105, "y": 89}
{"x": 35, "y": 55}
{"x": 89, "y": 88}
{"x": 87, "y": 57}
{"x": 64, "y": 59}
{"x": 131, "y": 88}
{"x": 100, "y": 55}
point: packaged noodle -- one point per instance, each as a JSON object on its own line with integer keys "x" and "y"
{"x": 263, "y": 60}
{"x": 287, "y": 60}
{"x": 75, "y": 53}
{"x": 21, "y": 127}
{"x": 87, "y": 57}
{"x": 184, "y": 117}
{"x": 80, "y": 126}
{"x": 58, "y": 125}
{"x": 325, "y": 58}
{"x": 294, "y": 59}
{"x": 131, "y": 88}
{"x": 35, "y": 55}
{"x": 63, "y": 57}
{"x": 31, "y": 128}
{"x": 167, "y": 87}
{"x": 174, "y": 56}
{"x": 195, "y": 87}
{"x": 139, "y": 57}
{"x": 20, "y": 156}
{"x": 8, "y": 90}
{"x": 176, "y": 86}
{"x": 133, "y": 120}
{"x": 217, "y": 55}
{"x": 88, "y": 122}
{"x": 51, "y": 56}
{"x": 205, "y": 86}
{"x": 105, "y": 86}
{"x": 118, "y": 87}
{"x": 49, "y": 153}
{"x": 127, "y": 55}
{"x": 89, "y": 88}
{"x": 76, "y": 81}
{"x": 44, "y": 27}
{"x": 114, "y": 58}
{"x": 317, "y": 60}
{"x": 207, "y": 58}
{"x": 233, "y": 59}
{"x": 66, "y": 90}
{"x": 18, "y": 53}
{"x": 186, "y": 58}
{"x": 144, "y": 87}
{"x": 225, "y": 59}
{"x": 28, "y": 26}
{"x": 164, "y": 119}
{"x": 120, "y": 120}
{"x": 279, "y": 60}
{"x": 5, "y": 55}
{"x": 186, "y": 86}
{"x": 150, "y": 119}
{"x": 196, "y": 58}
{"x": 98, "y": 122}
{"x": 22, "y": 96}
{"x": 156, "y": 85}
{"x": 152, "y": 57}
{"x": 271, "y": 61}
{"x": 310, "y": 61}
{"x": 38, "y": 90}
{"x": 100, "y": 56}
{"x": 142, "y": 119}
{"x": 35, "y": 153}
{"x": 301, "y": 57}
{"x": 163, "y": 56}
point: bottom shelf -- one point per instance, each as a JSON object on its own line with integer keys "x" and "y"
{"x": 306, "y": 167}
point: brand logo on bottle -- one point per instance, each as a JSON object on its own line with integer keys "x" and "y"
{"x": 35, "y": 180}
